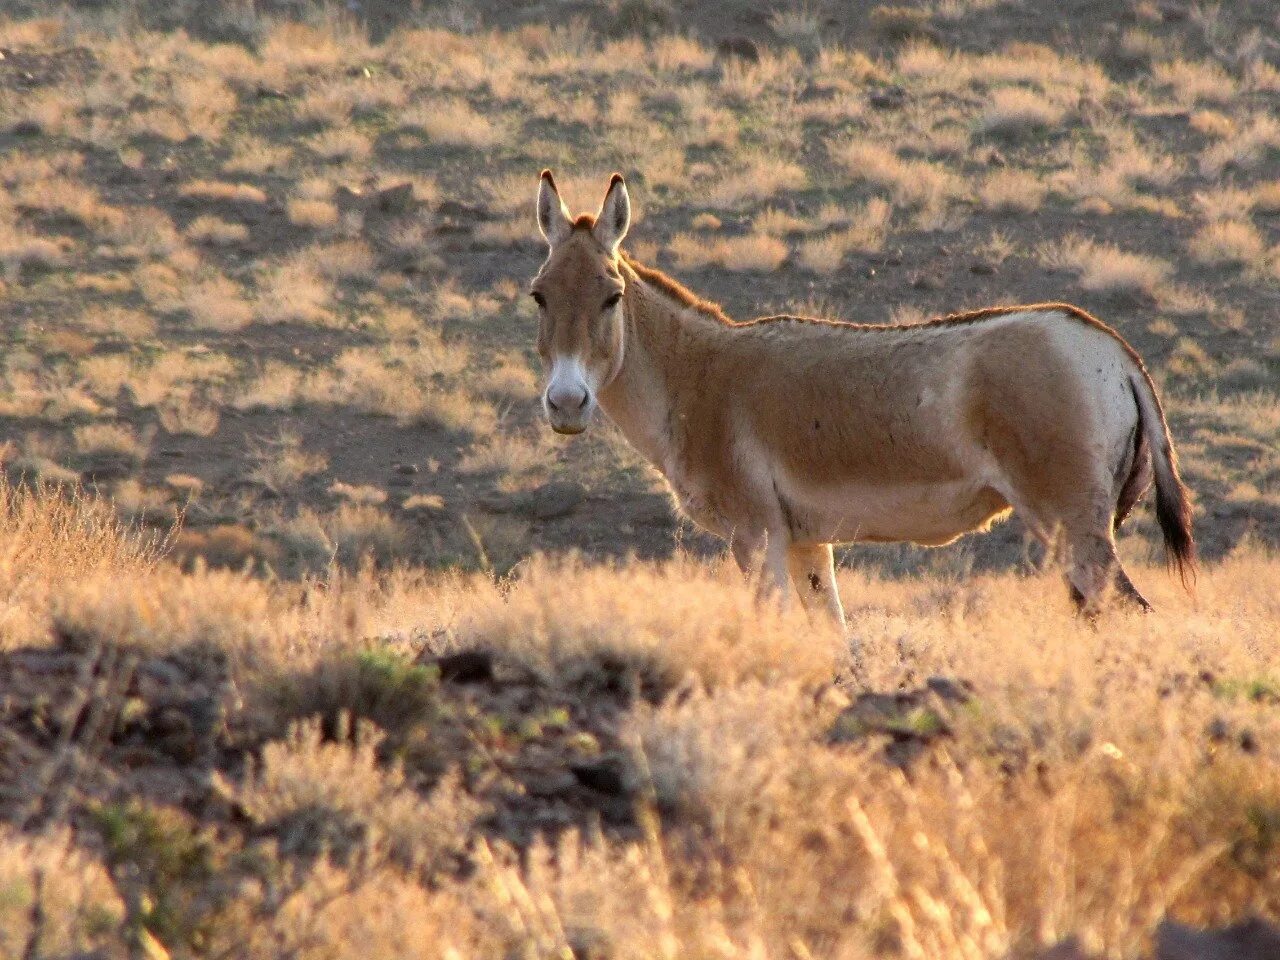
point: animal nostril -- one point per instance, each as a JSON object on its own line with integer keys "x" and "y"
{"x": 552, "y": 404}
{"x": 585, "y": 397}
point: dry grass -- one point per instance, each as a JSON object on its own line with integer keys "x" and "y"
{"x": 865, "y": 232}
{"x": 212, "y": 230}
{"x": 1194, "y": 82}
{"x": 1017, "y": 111}
{"x": 282, "y": 463}
{"x": 1108, "y": 268}
{"x": 918, "y": 183}
{"x": 315, "y": 213}
{"x": 1096, "y": 782}
{"x": 748, "y": 252}
{"x": 1012, "y": 192}
{"x": 1235, "y": 242}
{"x": 454, "y": 123}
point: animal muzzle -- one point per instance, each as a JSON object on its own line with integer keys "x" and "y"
{"x": 568, "y": 401}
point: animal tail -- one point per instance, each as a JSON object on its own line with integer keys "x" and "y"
{"x": 1173, "y": 504}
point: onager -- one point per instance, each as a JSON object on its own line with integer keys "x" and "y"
{"x": 786, "y": 435}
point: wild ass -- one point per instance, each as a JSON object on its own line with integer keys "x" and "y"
{"x": 789, "y": 434}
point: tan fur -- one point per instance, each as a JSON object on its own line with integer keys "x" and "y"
{"x": 787, "y": 434}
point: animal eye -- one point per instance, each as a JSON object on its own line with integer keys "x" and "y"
{"x": 539, "y": 299}
{"x": 612, "y": 301}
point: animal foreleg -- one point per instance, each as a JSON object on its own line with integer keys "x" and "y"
{"x": 813, "y": 573}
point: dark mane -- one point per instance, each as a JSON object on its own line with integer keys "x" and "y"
{"x": 686, "y": 297}
{"x": 676, "y": 290}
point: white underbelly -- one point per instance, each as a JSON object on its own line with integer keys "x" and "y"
{"x": 928, "y": 513}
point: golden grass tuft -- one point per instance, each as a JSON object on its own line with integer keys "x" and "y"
{"x": 747, "y": 252}
{"x": 1017, "y": 111}
{"x": 1108, "y": 268}
{"x": 1233, "y": 242}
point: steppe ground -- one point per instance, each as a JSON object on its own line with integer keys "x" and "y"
{"x": 279, "y": 675}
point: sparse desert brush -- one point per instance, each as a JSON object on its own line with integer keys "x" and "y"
{"x": 275, "y": 387}
{"x": 898, "y": 21}
{"x": 144, "y": 232}
{"x": 1212, "y": 123}
{"x": 176, "y": 371}
{"x": 20, "y": 249}
{"x": 1232, "y": 242}
{"x": 453, "y": 122}
{"x": 663, "y": 629}
{"x": 750, "y": 251}
{"x": 362, "y": 532}
{"x": 674, "y": 52}
{"x": 189, "y": 414}
{"x": 216, "y": 303}
{"x": 61, "y": 196}
{"x": 1191, "y": 363}
{"x": 292, "y": 293}
{"x": 1243, "y": 150}
{"x": 763, "y": 177}
{"x": 1107, "y": 268}
{"x": 359, "y": 493}
{"x": 1226, "y": 203}
{"x": 1012, "y": 191}
{"x": 109, "y": 439}
{"x": 508, "y": 233}
{"x": 64, "y": 536}
{"x": 800, "y": 25}
{"x": 865, "y": 233}
{"x": 775, "y": 222}
{"x": 281, "y": 463}
{"x": 339, "y": 799}
{"x": 405, "y": 387}
{"x": 1266, "y": 197}
{"x": 343, "y": 260}
{"x": 909, "y": 182}
{"x": 296, "y": 47}
{"x": 215, "y": 231}
{"x": 137, "y": 503}
{"x": 1195, "y": 82}
{"x": 510, "y": 378}
{"x": 506, "y": 455}
{"x": 341, "y": 145}
{"x": 313, "y": 213}
{"x": 256, "y": 157}
{"x": 1018, "y": 112}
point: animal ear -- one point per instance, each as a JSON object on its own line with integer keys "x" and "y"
{"x": 553, "y": 218}
{"x": 615, "y": 215}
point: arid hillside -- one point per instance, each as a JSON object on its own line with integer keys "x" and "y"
{"x": 270, "y": 274}
{"x": 316, "y": 644}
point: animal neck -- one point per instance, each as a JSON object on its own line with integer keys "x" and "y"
{"x": 663, "y": 342}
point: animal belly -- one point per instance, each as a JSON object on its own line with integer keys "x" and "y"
{"x": 930, "y": 514}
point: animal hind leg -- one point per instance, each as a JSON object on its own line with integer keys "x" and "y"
{"x": 813, "y": 573}
{"x": 1092, "y": 566}
{"x": 1126, "y": 589}
{"x": 764, "y": 556}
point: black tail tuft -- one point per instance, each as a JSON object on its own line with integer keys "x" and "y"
{"x": 1173, "y": 512}
{"x": 1173, "y": 504}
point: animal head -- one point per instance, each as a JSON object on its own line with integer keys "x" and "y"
{"x": 579, "y": 295}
